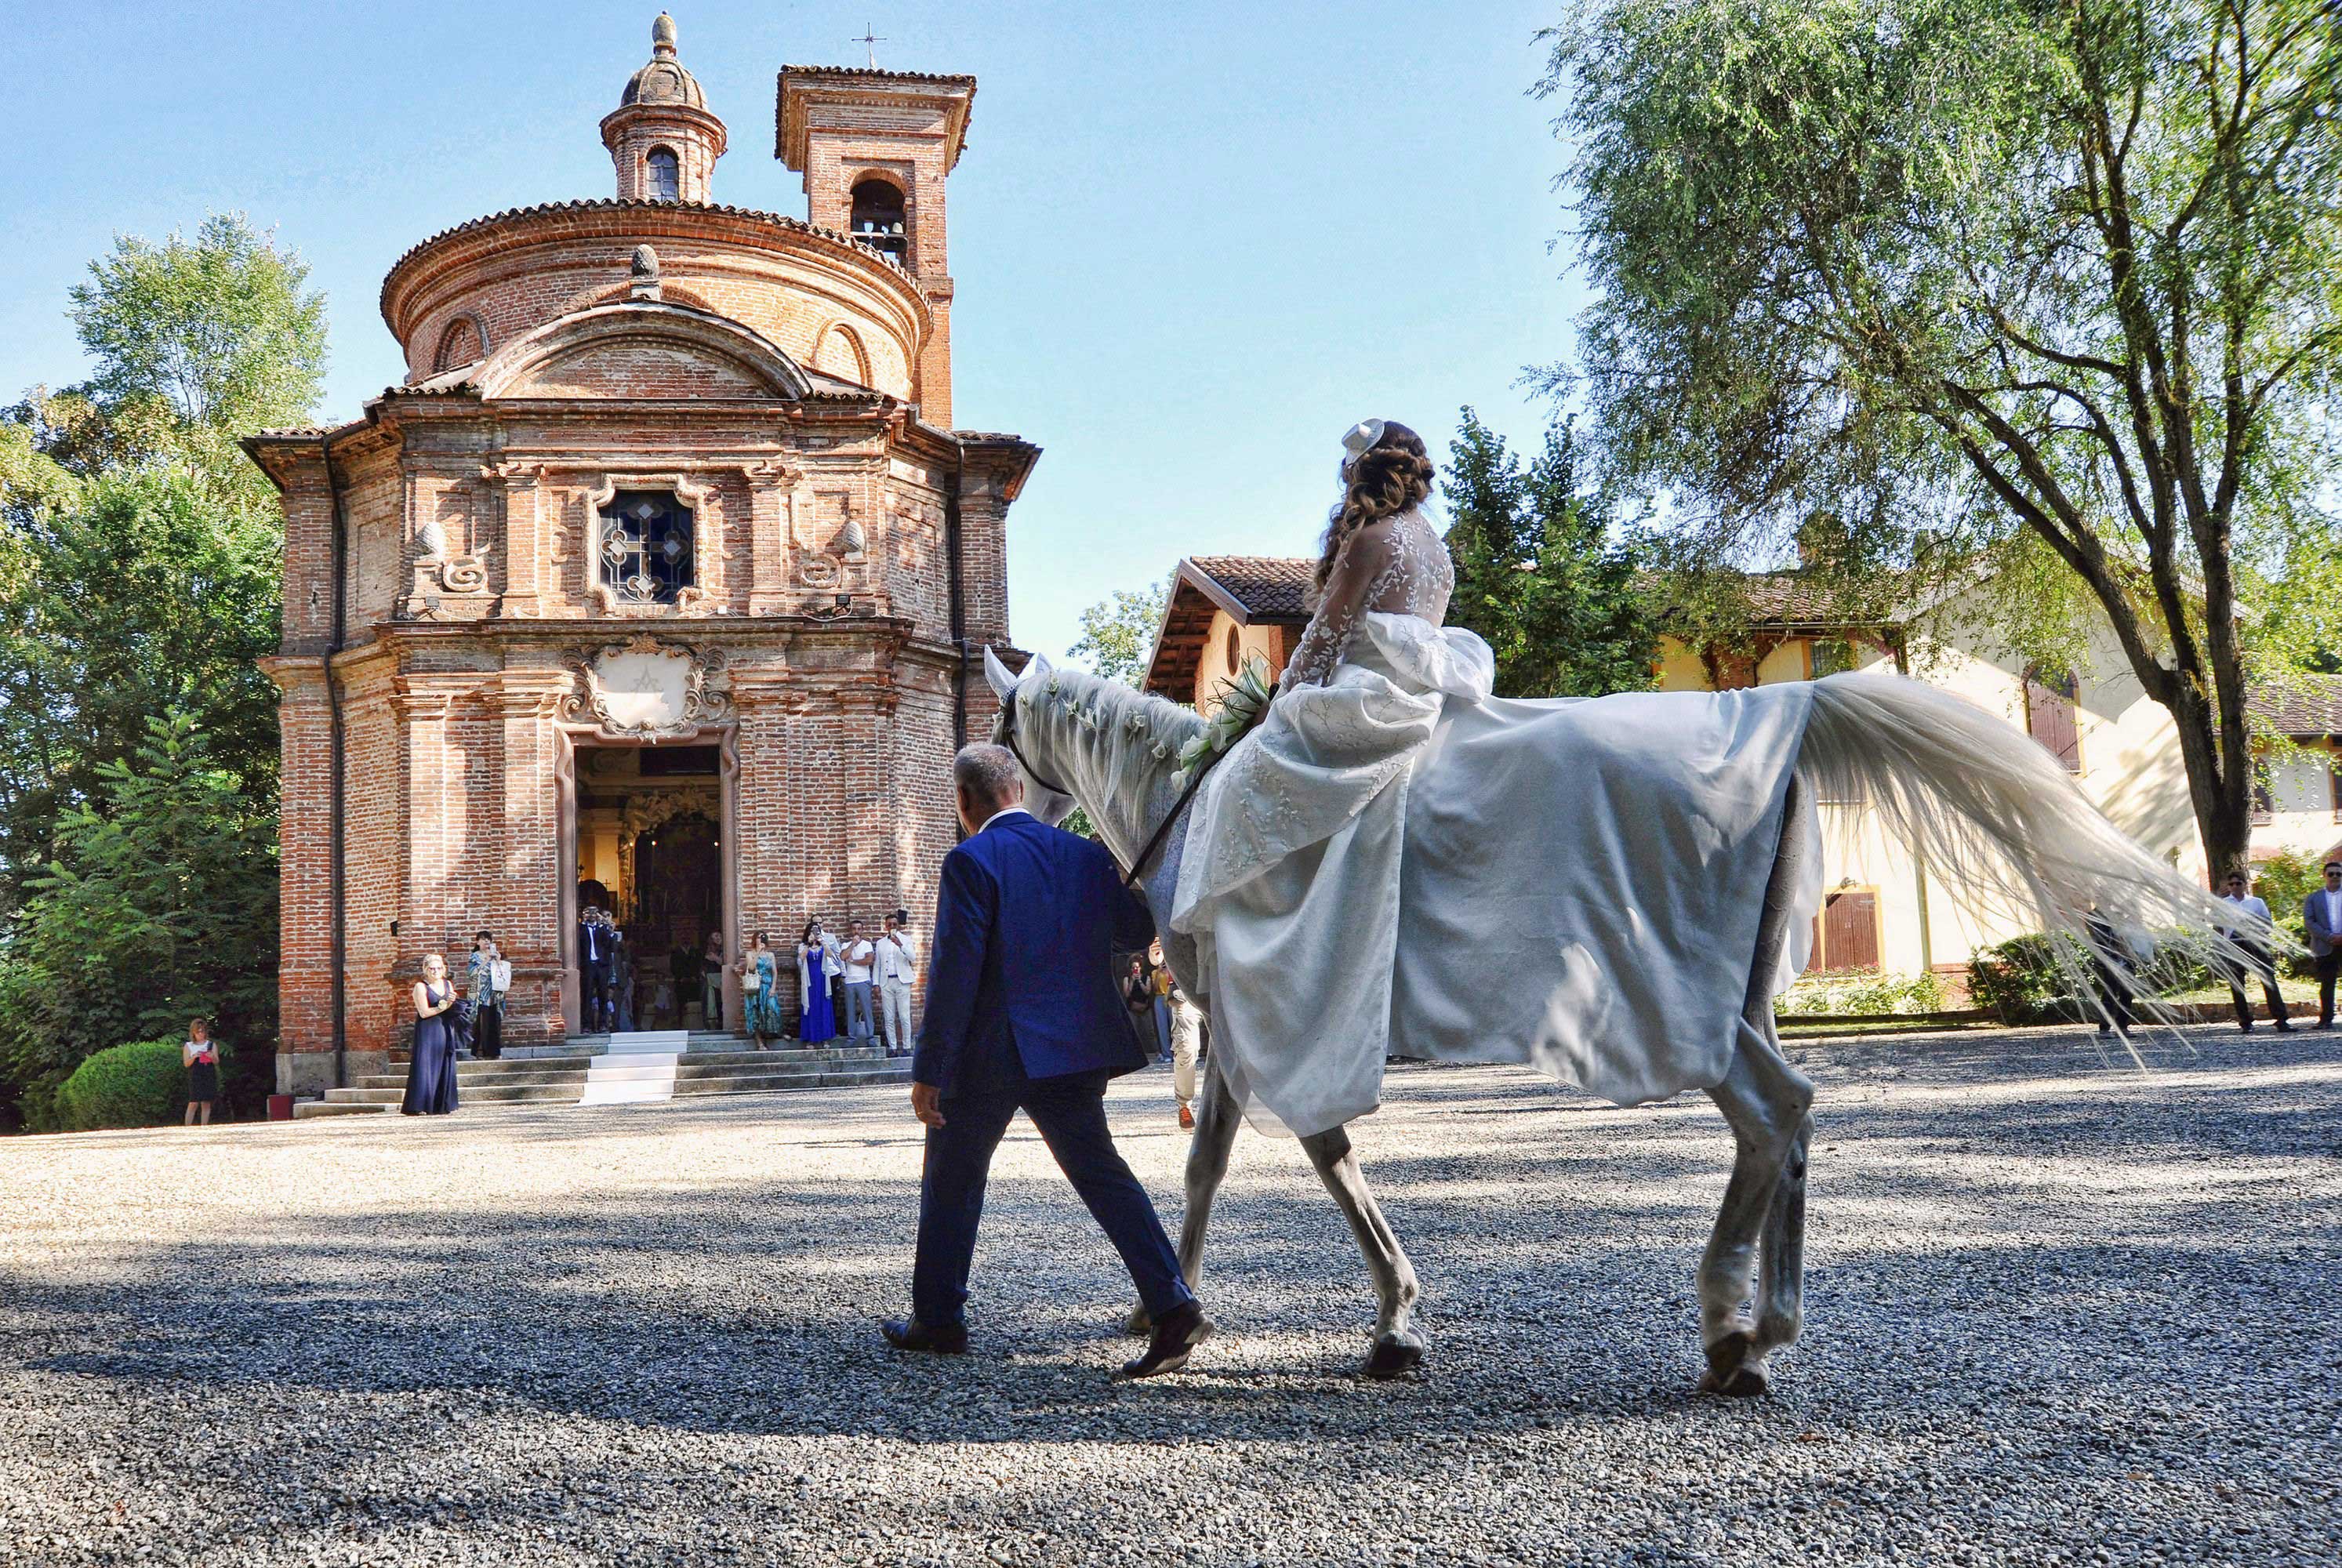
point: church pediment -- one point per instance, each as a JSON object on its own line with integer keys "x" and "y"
{"x": 642, "y": 351}
{"x": 640, "y": 368}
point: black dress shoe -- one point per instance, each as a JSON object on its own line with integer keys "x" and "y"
{"x": 1176, "y": 1333}
{"x": 904, "y": 1335}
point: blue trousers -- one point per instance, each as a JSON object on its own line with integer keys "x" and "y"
{"x": 1070, "y": 1115}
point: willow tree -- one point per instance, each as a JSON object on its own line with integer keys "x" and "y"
{"x": 1979, "y": 278}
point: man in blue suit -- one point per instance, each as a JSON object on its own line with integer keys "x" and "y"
{"x": 1022, "y": 1014}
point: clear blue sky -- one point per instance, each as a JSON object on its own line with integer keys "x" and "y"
{"x": 1192, "y": 243}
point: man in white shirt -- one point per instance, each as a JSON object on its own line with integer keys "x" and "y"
{"x": 2237, "y": 891}
{"x": 860, "y": 956}
{"x": 2321, "y": 911}
{"x": 898, "y": 966}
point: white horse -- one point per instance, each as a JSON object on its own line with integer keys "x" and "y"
{"x": 1987, "y": 808}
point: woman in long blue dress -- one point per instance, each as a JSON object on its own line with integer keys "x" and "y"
{"x": 431, "y": 1068}
{"x": 818, "y": 1023}
{"x": 760, "y": 992}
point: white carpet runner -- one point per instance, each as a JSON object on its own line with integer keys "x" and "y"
{"x": 638, "y": 1066}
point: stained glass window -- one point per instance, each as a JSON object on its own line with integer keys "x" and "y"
{"x": 647, "y": 546}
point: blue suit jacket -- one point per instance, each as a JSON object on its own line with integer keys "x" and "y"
{"x": 2322, "y": 940}
{"x": 1020, "y": 978}
{"x": 593, "y": 944}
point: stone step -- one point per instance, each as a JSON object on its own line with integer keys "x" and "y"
{"x": 305, "y": 1109}
{"x": 836, "y": 1078}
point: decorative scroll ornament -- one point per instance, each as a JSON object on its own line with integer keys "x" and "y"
{"x": 644, "y": 689}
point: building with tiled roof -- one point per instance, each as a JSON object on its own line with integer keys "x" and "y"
{"x": 1221, "y": 610}
{"x": 655, "y": 582}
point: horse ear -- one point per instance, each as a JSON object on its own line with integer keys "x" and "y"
{"x": 1040, "y": 666}
{"x": 1001, "y": 678}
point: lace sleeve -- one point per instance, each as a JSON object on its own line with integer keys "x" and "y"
{"x": 1356, "y": 571}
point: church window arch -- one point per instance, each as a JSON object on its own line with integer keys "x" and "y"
{"x": 460, "y": 344}
{"x": 840, "y": 352}
{"x": 879, "y": 219}
{"x": 662, "y": 174}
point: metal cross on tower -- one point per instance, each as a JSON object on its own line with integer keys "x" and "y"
{"x": 870, "y": 42}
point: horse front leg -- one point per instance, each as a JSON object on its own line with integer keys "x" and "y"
{"x": 1399, "y": 1343}
{"x": 1217, "y": 1117}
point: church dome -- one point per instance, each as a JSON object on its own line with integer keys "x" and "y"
{"x": 663, "y": 80}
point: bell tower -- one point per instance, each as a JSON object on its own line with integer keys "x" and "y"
{"x": 875, "y": 148}
{"x": 663, "y": 141}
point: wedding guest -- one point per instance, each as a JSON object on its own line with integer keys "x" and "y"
{"x": 760, "y": 992}
{"x": 816, "y": 962}
{"x": 593, "y": 972}
{"x": 711, "y": 983}
{"x": 2321, "y": 911}
{"x": 201, "y": 1059}
{"x": 480, "y": 984}
{"x": 2235, "y": 890}
{"x": 431, "y": 1067}
{"x": 859, "y": 954}
{"x": 899, "y": 968}
{"x": 2110, "y": 967}
{"x": 628, "y": 978}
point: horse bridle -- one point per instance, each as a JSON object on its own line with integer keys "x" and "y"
{"x": 1163, "y": 830}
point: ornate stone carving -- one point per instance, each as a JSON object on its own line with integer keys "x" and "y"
{"x": 646, "y": 689}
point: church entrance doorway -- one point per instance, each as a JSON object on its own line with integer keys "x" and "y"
{"x": 647, "y": 827}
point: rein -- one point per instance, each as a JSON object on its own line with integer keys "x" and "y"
{"x": 1163, "y": 829}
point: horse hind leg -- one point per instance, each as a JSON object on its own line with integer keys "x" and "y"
{"x": 1780, "y": 1311}
{"x": 1217, "y": 1117}
{"x": 1766, "y": 1102}
{"x": 1399, "y": 1345}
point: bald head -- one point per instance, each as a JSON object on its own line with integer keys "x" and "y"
{"x": 988, "y": 780}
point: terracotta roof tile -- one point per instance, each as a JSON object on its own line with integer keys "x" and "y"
{"x": 605, "y": 204}
{"x": 2312, "y": 706}
{"x": 1269, "y": 587}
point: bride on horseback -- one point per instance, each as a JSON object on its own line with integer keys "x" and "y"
{"x": 1289, "y": 885}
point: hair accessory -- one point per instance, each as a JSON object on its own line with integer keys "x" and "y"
{"x": 1361, "y": 439}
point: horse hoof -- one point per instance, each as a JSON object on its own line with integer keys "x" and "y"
{"x": 1139, "y": 1323}
{"x": 1393, "y": 1357}
{"x": 1736, "y": 1368}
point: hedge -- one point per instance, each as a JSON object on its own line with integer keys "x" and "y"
{"x": 141, "y": 1084}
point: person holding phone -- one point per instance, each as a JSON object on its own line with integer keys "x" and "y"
{"x": 201, "y": 1059}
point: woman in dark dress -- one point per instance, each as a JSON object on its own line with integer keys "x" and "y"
{"x": 202, "y": 1059}
{"x": 431, "y": 1069}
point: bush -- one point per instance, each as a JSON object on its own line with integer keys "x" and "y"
{"x": 1863, "y": 994}
{"x": 2283, "y": 881}
{"x": 141, "y": 1084}
{"x": 2024, "y": 981}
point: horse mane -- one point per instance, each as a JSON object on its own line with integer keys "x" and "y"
{"x": 1115, "y": 748}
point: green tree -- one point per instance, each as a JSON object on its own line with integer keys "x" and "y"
{"x": 1537, "y": 573}
{"x": 199, "y": 343}
{"x": 1119, "y": 634}
{"x": 1974, "y": 273}
{"x": 160, "y": 904}
{"x": 142, "y": 591}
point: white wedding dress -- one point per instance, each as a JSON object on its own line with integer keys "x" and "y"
{"x": 1289, "y": 883}
{"x": 1395, "y": 857}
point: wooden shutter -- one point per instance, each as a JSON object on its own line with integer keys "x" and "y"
{"x": 2049, "y": 717}
{"x": 1850, "y": 931}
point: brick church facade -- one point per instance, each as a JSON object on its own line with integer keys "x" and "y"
{"x": 659, "y": 575}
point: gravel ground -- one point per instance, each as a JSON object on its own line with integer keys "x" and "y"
{"x": 2057, "y": 1312}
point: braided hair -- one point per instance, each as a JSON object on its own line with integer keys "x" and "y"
{"x": 1389, "y": 477}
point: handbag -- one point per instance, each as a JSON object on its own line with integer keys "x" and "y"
{"x": 460, "y": 1016}
{"x": 752, "y": 978}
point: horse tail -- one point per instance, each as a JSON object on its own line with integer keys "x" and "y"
{"x": 1988, "y": 811}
